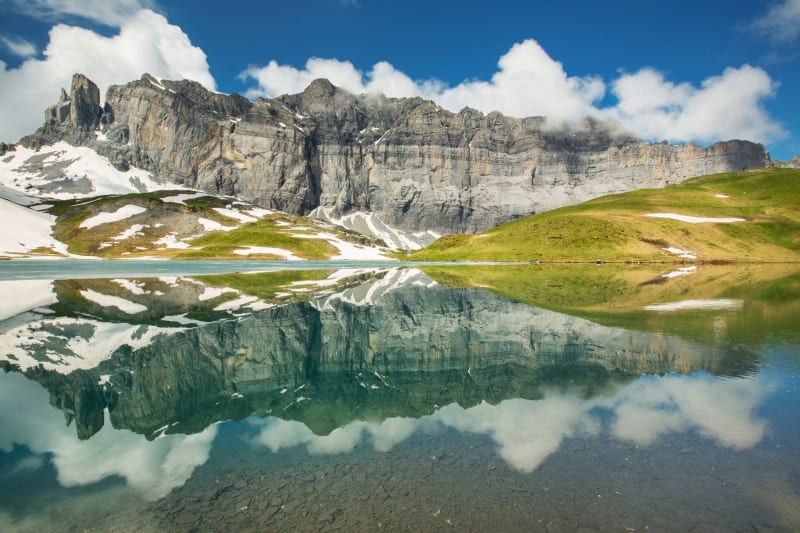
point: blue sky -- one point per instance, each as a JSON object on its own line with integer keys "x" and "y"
{"x": 680, "y": 71}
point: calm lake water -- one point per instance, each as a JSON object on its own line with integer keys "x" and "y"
{"x": 473, "y": 398}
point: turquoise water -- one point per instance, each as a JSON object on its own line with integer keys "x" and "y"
{"x": 386, "y": 401}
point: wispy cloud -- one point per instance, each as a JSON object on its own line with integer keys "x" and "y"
{"x": 108, "y": 13}
{"x": 529, "y": 82}
{"x": 18, "y": 46}
{"x": 781, "y": 23}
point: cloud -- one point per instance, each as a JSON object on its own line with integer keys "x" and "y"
{"x": 781, "y": 22}
{"x": 146, "y": 42}
{"x": 18, "y": 46}
{"x": 113, "y": 13}
{"x": 529, "y": 82}
{"x": 722, "y": 107}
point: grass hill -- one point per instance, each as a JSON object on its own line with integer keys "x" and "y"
{"x": 191, "y": 225}
{"x": 616, "y": 228}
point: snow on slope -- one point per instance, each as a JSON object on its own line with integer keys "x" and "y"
{"x": 370, "y": 224}
{"x": 347, "y": 250}
{"x": 25, "y": 230}
{"x": 126, "y": 211}
{"x": 52, "y": 342}
{"x": 63, "y": 171}
{"x": 695, "y": 220}
{"x": 369, "y": 294}
{"x": 105, "y": 300}
{"x": 37, "y": 293}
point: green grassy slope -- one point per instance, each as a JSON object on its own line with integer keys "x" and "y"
{"x": 614, "y": 228}
{"x": 142, "y": 235}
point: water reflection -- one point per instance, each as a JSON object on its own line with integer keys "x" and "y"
{"x": 526, "y": 432}
{"x": 148, "y": 369}
{"x": 151, "y": 468}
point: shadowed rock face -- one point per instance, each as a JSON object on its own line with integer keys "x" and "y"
{"x": 416, "y": 165}
{"x": 328, "y": 362}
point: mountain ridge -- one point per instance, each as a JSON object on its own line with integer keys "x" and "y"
{"x": 332, "y": 154}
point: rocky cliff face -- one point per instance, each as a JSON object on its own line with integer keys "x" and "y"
{"x": 410, "y": 162}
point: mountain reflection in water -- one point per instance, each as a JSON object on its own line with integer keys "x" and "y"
{"x": 360, "y": 358}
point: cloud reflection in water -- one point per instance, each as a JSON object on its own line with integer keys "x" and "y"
{"x": 153, "y": 468}
{"x": 528, "y": 431}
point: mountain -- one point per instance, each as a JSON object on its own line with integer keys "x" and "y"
{"x": 366, "y": 162}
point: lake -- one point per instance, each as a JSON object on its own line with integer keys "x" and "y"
{"x": 378, "y": 397}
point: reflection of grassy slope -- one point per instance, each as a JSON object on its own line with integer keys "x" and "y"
{"x": 263, "y": 285}
{"x": 613, "y": 228}
{"x": 160, "y": 299}
{"x": 616, "y": 296}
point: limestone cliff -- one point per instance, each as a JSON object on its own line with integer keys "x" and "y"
{"x": 407, "y": 160}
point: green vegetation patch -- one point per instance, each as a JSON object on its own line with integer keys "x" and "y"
{"x": 261, "y": 233}
{"x": 263, "y": 285}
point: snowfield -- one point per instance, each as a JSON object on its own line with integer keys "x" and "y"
{"x": 25, "y": 229}
{"x": 63, "y": 171}
{"x": 695, "y": 220}
{"x": 126, "y": 211}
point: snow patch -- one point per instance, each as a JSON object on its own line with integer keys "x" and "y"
{"x": 64, "y": 171}
{"x": 131, "y": 286}
{"x": 136, "y": 229}
{"x": 250, "y": 250}
{"x": 37, "y": 293}
{"x": 171, "y": 240}
{"x": 105, "y": 300}
{"x": 29, "y": 345}
{"x": 347, "y": 250}
{"x": 680, "y": 272}
{"x": 371, "y": 225}
{"x": 695, "y": 220}
{"x": 25, "y": 229}
{"x": 209, "y": 293}
{"x": 213, "y": 225}
{"x": 181, "y": 198}
{"x": 183, "y": 320}
{"x": 126, "y": 211}
{"x": 713, "y": 305}
{"x": 369, "y": 294}
{"x": 232, "y": 213}
{"x": 683, "y": 254}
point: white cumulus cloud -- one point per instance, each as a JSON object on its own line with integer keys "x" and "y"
{"x": 781, "y": 22}
{"x": 146, "y": 42}
{"x": 529, "y": 82}
{"x": 723, "y": 107}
